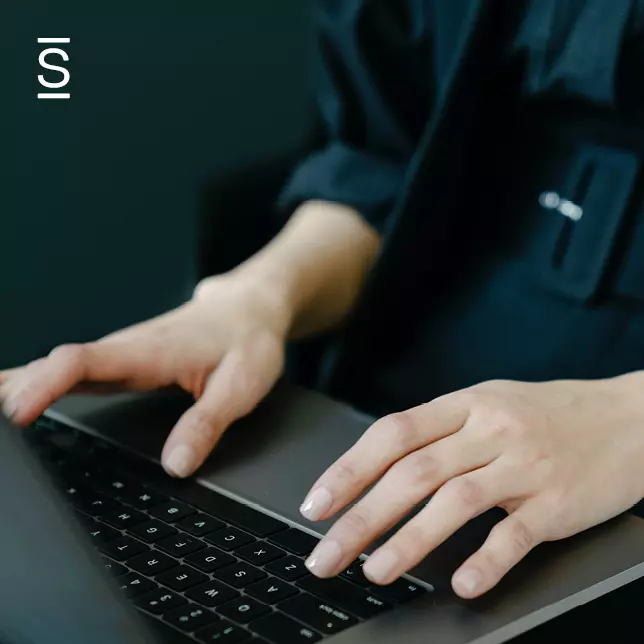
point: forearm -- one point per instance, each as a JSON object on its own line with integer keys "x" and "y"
{"x": 317, "y": 265}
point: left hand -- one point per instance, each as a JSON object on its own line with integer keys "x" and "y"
{"x": 559, "y": 457}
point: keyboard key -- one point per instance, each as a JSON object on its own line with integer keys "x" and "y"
{"x": 152, "y": 531}
{"x": 152, "y": 562}
{"x": 271, "y": 590}
{"x": 123, "y": 548}
{"x": 295, "y": 541}
{"x": 239, "y": 574}
{"x": 212, "y": 593}
{"x": 101, "y": 533}
{"x": 171, "y": 512}
{"x": 123, "y": 517}
{"x": 190, "y": 618}
{"x": 133, "y": 584}
{"x": 144, "y": 499}
{"x": 180, "y": 545}
{"x": 288, "y": 568}
{"x": 240, "y": 515}
{"x": 116, "y": 485}
{"x": 74, "y": 493}
{"x": 209, "y": 559}
{"x": 354, "y": 573}
{"x": 345, "y": 596}
{"x": 224, "y": 632}
{"x": 259, "y": 553}
{"x": 199, "y": 525}
{"x": 229, "y": 538}
{"x": 97, "y": 505}
{"x": 181, "y": 578}
{"x": 159, "y": 601}
{"x": 283, "y": 630}
{"x": 400, "y": 591}
{"x": 243, "y": 610}
{"x": 115, "y": 568}
{"x": 322, "y": 617}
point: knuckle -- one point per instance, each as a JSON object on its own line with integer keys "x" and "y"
{"x": 203, "y": 288}
{"x": 200, "y": 423}
{"x": 419, "y": 468}
{"x": 501, "y": 421}
{"x": 342, "y": 471}
{"x": 518, "y": 537}
{"x": 466, "y": 491}
{"x": 357, "y": 522}
{"x": 492, "y": 564}
{"x": 411, "y": 537}
{"x": 399, "y": 428}
{"x": 496, "y": 384}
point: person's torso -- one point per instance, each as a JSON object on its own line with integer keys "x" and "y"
{"x": 540, "y": 274}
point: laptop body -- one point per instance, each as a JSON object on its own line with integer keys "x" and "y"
{"x": 264, "y": 464}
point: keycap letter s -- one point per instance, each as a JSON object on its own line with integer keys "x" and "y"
{"x": 42, "y": 59}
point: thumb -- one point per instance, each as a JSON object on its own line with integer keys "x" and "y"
{"x": 233, "y": 390}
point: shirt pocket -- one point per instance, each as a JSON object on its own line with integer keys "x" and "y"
{"x": 583, "y": 213}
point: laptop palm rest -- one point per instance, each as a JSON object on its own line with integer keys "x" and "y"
{"x": 270, "y": 460}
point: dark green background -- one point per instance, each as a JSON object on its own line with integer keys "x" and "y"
{"x": 179, "y": 111}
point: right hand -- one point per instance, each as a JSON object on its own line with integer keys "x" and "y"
{"x": 225, "y": 347}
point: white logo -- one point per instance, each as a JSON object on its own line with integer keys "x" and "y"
{"x": 42, "y": 59}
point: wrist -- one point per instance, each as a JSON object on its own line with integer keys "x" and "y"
{"x": 270, "y": 291}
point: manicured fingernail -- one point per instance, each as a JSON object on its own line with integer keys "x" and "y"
{"x": 325, "y": 559}
{"x": 316, "y": 504}
{"x": 381, "y": 567}
{"x": 182, "y": 461}
{"x": 467, "y": 582}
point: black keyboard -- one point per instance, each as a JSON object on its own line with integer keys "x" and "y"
{"x": 198, "y": 563}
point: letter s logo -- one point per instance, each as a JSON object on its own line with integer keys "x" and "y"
{"x": 56, "y": 68}
{"x": 66, "y": 76}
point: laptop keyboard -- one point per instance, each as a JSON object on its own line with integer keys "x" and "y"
{"x": 198, "y": 562}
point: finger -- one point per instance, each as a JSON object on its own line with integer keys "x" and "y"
{"x": 233, "y": 390}
{"x": 44, "y": 381}
{"x": 15, "y": 383}
{"x": 402, "y": 488}
{"x": 457, "y": 502}
{"x": 507, "y": 544}
{"x": 385, "y": 442}
{"x": 7, "y": 374}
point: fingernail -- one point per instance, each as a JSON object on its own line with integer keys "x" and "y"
{"x": 381, "y": 566}
{"x": 316, "y": 504}
{"x": 182, "y": 461}
{"x": 467, "y": 581}
{"x": 325, "y": 559}
{"x": 9, "y": 406}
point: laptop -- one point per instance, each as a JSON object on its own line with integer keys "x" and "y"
{"x": 100, "y": 546}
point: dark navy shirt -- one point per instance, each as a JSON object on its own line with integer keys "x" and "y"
{"x": 382, "y": 69}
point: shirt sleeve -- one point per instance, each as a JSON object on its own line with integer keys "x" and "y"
{"x": 374, "y": 93}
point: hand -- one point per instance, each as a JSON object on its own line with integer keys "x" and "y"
{"x": 559, "y": 457}
{"x": 226, "y": 347}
